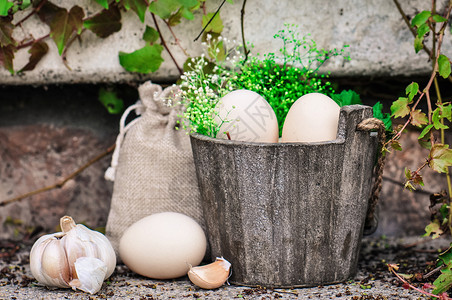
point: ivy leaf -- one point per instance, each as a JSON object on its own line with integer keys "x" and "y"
{"x": 417, "y": 179}
{"x": 408, "y": 174}
{"x": 445, "y": 257}
{"x": 104, "y": 3}
{"x": 422, "y": 30}
{"x": 418, "y": 118}
{"x": 110, "y": 100}
{"x": 105, "y": 23}
{"x": 138, "y": 6}
{"x": 6, "y": 57}
{"x": 5, "y": 5}
{"x": 150, "y": 35}
{"x": 433, "y": 229}
{"x": 37, "y": 51}
{"x": 444, "y": 281}
{"x": 411, "y": 90}
{"x": 187, "y": 14}
{"x": 396, "y": 145}
{"x": 64, "y": 24}
{"x": 436, "y": 118}
{"x": 48, "y": 12}
{"x": 425, "y": 131}
{"x": 438, "y": 19}
{"x": 164, "y": 8}
{"x": 446, "y": 111}
{"x": 145, "y": 60}
{"x": 175, "y": 18}
{"x": 216, "y": 25}
{"x": 440, "y": 158}
{"x": 421, "y": 18}
{"x": 418, "y": 43}
{"x": 6, "y": 30}
{"x": 443, "y": 66}
{"x": 399, "y": 108}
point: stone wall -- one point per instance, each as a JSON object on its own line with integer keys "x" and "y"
{"x": 380, "y": 43}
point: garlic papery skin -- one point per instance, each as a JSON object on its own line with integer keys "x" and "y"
{"x": 77, "y": 257}
{"x": 210, "y": 276}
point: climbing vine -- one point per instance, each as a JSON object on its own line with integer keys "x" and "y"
{"x": 68, "y": 25}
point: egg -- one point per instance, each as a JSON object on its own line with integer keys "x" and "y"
{"x": 163, "y": 245}
{"x": 246, "y": 116}
{"x": 313, "y": 117}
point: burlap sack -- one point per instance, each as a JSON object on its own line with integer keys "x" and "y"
{"x": 155, "y": 170}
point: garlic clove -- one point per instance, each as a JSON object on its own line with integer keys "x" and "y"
{"x": 54, "y": 266}
{"x": 90, "y": 274}
{"x": 210, "y": 276}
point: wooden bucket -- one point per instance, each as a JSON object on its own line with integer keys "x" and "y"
{"x": 288, "y": 214}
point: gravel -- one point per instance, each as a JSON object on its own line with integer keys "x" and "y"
{"x": 373, "y": 281}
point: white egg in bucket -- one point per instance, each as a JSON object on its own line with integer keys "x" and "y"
{"x": 313, "y": 117}
{"x": 246, "y": 116}
{"x": 163, "y": 245}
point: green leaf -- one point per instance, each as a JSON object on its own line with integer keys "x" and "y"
{"x": 446, "y": 111}
{"x": 421, "y": 18}
{"x": 138, "y": 6}
{"x": 425, "y": 131}
{"x": 445, "y": 257}
{"x": 433, "y": 229}
{"x": 187, "y": 14}
{"x": 443, "y": 66}
{"x": 145, "y": 60}
{"x": 418, "y": 43}
{"x": 396, "y": 145}
{"x": 150, "y": 35}
{"x": 440, "y": 158}
{"x": 164, "y": 8}
{"x": 110, "y": 100}
{"x": 407, "y": 173}
{"x": 418, "y": 118}
{"x": 438, "y": 19}
{"x": 422, "y": 30}
{"x": 216, "y": 25}
{"x": 105, "y": 23}
{"x": 37, "y": 51}
{"x": 104, "y": 3}
{"x": 444, "y": 281}
{"x": 5, "y": 5}
{"x": 436, "y": 118}
{"x": 385, "y": 117}
{"x": 399, "y": 108}
{"x": 347, "y": 97}
{"x": 64, "y": 24}
{"x": 6, "y": 57}
{"x": 6, "y": 31}
{"x": 411, "y": 90}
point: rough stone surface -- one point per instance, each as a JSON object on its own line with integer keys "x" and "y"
{"x": 272, "y": 207}
{"x": 380, "y": 42}
{"x": 44, "y": 137}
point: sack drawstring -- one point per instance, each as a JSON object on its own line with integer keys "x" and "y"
{"x": 139, "y": 109}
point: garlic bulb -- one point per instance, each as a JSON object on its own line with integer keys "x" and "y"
{"x": 77, "y": 257}
{"x": 210, "y": 276}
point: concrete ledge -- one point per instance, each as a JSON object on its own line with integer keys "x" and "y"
{"x": 380, "y": 43}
